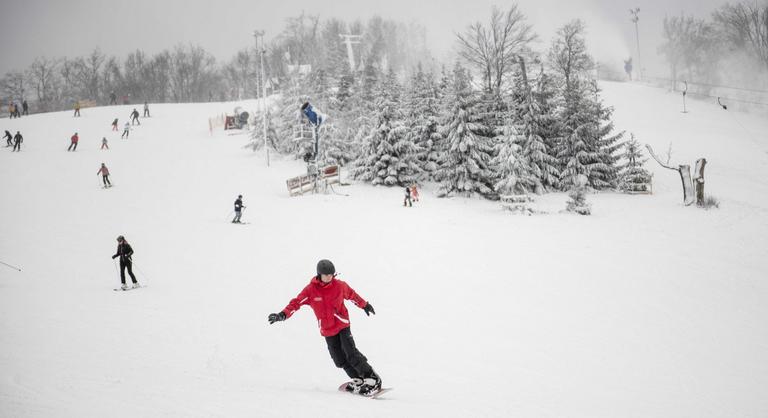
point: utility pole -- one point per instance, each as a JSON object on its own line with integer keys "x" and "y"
{"x": 349, "y": 40}
{"x": 634, "y": 19}
{"x": 262, "y": 50}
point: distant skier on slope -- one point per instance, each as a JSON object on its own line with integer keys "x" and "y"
{"x": 238, "y": 209}
{"x": 104, "y": 143}
{"x": 135, "y": 117}
{"x": 407, "y": 201}
{"x": 415, "y": 192}
{"x": 17, "y": 140}
{"x": 114, "y": 125}
{"x": 73, "y": 142}
{"x": 104, "y": 171}
{"x": 8, "y": 138}
{"x": 325, "y": 294}
{"x": 124, "y": 251}
{"x": 77, "y": 108}
{"x": 146, "y": 109}
{"x": 126, "y": 130}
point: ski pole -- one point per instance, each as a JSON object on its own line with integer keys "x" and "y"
{"x": 11, "y": 266}
{"x": 229, "y": 215}
{"x": 144, "y": 275}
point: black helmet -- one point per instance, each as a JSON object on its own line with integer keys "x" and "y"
{"x": 120, "y": 238}
{"x": 325, "y": 267}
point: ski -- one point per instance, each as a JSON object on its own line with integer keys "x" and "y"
{"x": 120, "y": 289}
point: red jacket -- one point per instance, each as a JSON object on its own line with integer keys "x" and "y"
{"x": 75, "y": 138}
{"x": 327, "y": 300}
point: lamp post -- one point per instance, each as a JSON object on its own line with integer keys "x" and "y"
{"x": 262, "y": 50}
{"x": 634, "y": 19}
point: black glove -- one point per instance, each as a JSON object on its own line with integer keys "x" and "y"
{"x": 114, "y": 256}
{"x": 274, "y": 317}
{"x": 369, "y": 310}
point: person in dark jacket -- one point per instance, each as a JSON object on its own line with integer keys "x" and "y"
{"x": 8, "y": 138}
{"x": 135, "y": 117}
{"x": 238, "y": 209}
{"x": 124, "y": 251}
{"x": 112, "y": 98}
{"x": 25, "y": 108}
{"x": 77, "y": 108}
{"x": 325, "y": 294}
{"x": 114, "y": 125}
{"x": 407, "y": 201}
{"x": 146, "y": 109}
{"x": 17, "y": 140}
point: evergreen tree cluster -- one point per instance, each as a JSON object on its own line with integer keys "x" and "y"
{"x": 547, "y": 131}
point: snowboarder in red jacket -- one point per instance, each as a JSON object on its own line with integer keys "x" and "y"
{"x": 325, "y": 294}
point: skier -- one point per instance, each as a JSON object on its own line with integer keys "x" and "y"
{"x": 73, "y": 144}
{"x": 126, "y": 130}
{"x": 407, "y": 200}
{"x": 146, "y": 109}
{"x": 114, "y": 125}
{"x": 104, "y": 171}
{"x": 325, "y": 294}
{"x": 77, "y": 108}
{"x": 238, "y": 209}
{"x": 124, "y": 251}
{"x": 8, "y": 137}
{"x": 11, "y": 110}
{"x": 112, "y": 98}
{"x": 135, "y": 116}
{"x": 104, "y": 143}
{"x": 25, "y": 107}
{"x": 17, "y": 140}
{"x": 415, "y": 192}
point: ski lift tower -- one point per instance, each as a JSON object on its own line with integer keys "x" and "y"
{"x": 262, "y": 50}
{"x": 350, "y": 40}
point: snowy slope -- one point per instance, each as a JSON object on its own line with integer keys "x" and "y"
{"x": 645, "y": 309}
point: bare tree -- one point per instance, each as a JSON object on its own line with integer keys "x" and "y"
{"x": 689, "y": 44}
{"x": 568, "y": 54}
{"x": 493, "y": 50}
{"x": 43, "y": 76}
{"x": 746, "y": 26}
{"x": 191, "y": 72}
{"x": 13, "y": 85}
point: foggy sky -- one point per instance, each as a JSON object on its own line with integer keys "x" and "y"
{"x": 30, "y": 28}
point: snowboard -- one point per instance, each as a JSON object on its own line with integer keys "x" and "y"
{"x": 374, "y": 395}
{"x": 120, "y": 289}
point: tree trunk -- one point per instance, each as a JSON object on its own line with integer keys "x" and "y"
{"x": 699, "y": 180}
{"x": 685, "y": 176}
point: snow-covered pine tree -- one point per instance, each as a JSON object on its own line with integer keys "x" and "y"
{"x": 513, "y": 170}
{"x": 421, "y": 108}
{"x": 388, "y": 157}
{"x": 587, "y": 146}
{"x": 465, "y": 166}
{"x": 578, "y": 201}
{"x": 634, "y": 177}
{"x": 539, "y": 126}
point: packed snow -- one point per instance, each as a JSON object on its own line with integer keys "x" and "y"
{"x": 646, "y": 308}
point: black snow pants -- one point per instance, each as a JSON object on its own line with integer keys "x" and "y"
{"x": 127, "y": 264}
{"x": 346, "y": 356}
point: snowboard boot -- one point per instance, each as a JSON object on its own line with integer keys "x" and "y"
{"x": 354, "y": 385}
{"x": 371, "y": 385}
{"x": 124, "y": 287}
{"x": 135, "y": 285}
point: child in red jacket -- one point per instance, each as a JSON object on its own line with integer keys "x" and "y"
{"x": 325, "y": 294}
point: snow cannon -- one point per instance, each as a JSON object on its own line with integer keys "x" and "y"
{"x": 241, "y": 117}
{"x": 314, "y": 116}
